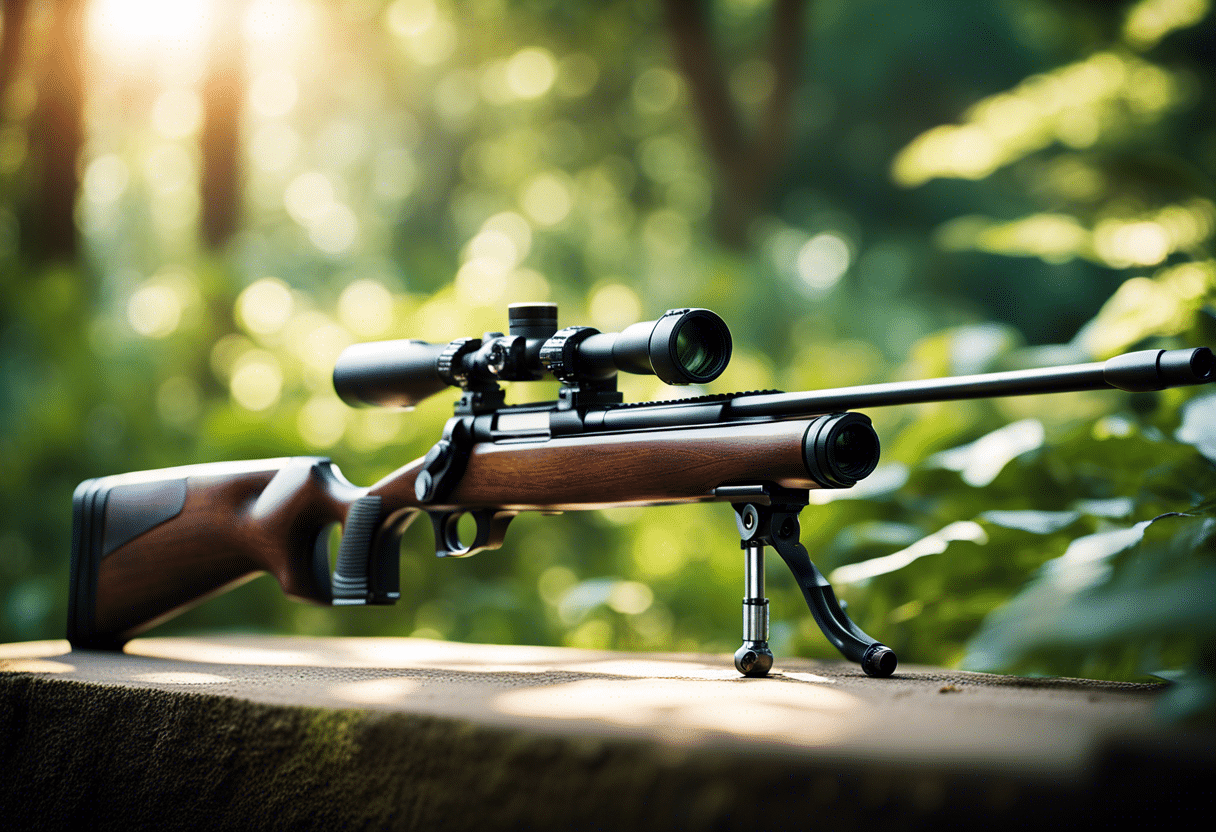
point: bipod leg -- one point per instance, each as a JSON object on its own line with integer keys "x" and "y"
{"x": 776, "y": 525}
{"x": 754, "y": 658}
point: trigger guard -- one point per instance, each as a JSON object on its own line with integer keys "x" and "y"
{"x": 491, "y": 531}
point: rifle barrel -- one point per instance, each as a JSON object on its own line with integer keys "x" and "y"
{"x": 1141, "y": 371}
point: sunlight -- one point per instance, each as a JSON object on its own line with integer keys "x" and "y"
{"x": 1076, "y": 105}
{"x": 271, "y": 22}
{"x": 131, "y": 31}
{"x": 792, "y": 712}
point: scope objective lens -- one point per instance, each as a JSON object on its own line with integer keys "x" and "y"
{"x": 698, "y": 347}
{"x": 688, "y": 346}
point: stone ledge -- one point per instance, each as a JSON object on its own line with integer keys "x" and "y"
{"x": 256, "y": 732}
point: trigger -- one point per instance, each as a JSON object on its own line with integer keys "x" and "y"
{"x": 491, "y": 531}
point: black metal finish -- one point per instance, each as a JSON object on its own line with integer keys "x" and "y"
{"x": 1135, "y": 372}
{"x": 491, "y": 528}
{"x": 389, "y": 373}
{"x": 445, "y": 462}
{"x": 560, "y": 355}
{"x": 684, "y": 346}
{"x": 534, "y": 321}
{"x": 840, "y": 449}
{"x": 775, "y": 524}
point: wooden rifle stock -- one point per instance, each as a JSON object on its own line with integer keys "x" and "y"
{"x": 148, "y": 546}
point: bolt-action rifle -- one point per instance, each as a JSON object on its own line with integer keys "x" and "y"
{"x": 149, "y": 545}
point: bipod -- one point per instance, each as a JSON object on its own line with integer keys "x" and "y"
{"x": 767, "y": 515}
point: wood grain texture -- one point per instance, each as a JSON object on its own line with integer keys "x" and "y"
{"x": 232, "y": 527}
{"x": 681, "y": 465}
{"x": 238, "y": 521}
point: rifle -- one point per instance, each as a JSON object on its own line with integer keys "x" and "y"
{"x": 149, "y": 545}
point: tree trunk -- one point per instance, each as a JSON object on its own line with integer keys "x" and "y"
{"x": 219, "y": 143}
{"x": 747, "y": 166}
{"x": 59, "y": 135}
{"x": 10, "y": 47}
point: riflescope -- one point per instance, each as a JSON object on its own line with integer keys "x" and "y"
{"x": 684, "y": 346}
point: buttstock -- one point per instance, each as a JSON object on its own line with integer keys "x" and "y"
{"x": 148, "y": 546}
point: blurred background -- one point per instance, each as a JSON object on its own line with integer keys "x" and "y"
{"x": 203, "y": 202}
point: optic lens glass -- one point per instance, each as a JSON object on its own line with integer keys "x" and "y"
{"x": 698, "y": 347}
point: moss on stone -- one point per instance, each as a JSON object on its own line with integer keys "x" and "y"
{"x": 82, "y": 755}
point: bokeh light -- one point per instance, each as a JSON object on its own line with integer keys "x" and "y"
{"x": 822, "y": 261}
{"x": 257, "y": 380}
{"x": 265, "y": 306}
{"x": 154, "y": 310}
{"x": 365, "y": 307}
{"x": 1148, "y": 21}
{"x": 531, "y": 72}
{"x": 274, "y": 93}
{"x": 547, "y": 198}
{"x": 129, "y": 31}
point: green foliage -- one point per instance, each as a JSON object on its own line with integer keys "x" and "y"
{"x": 968, "y": 187}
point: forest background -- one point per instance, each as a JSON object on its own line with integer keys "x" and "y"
{"x": 203, "y": 202}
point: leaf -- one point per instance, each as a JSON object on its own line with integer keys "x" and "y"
{"x": 974, "y": 348}
{"x": 1113, "y": 508}
{"x": 1036, "y": 522}
{"x": 1198, "y": 426}
{"x": 1083, "y": 564}
{"x": 980, "y": 461}
{"x": 933, "y": 544}
{"x": 1105, "y": 592}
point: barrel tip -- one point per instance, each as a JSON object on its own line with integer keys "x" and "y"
{"x": 1150, "y": 370}
{"x": 1186, "y": 366}
{"x": 1203, "y": 364}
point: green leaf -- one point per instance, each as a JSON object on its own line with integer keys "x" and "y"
{"x": 980, "y": 461}
{"x": 1036, "y": 522}
{"x": 1123, "y": 590}
{"x": 1198, "y": 426}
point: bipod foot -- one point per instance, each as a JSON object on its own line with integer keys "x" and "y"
{"x": 754, "y": 658}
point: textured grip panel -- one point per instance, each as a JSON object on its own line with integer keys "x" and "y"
{"x": 351, "y": 574}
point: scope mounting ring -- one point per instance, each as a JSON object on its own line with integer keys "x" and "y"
{"x": 449, "y": 365}
{"x": 558, "y": 352}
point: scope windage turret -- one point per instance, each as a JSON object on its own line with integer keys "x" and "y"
{"x": 684, "y": 346}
